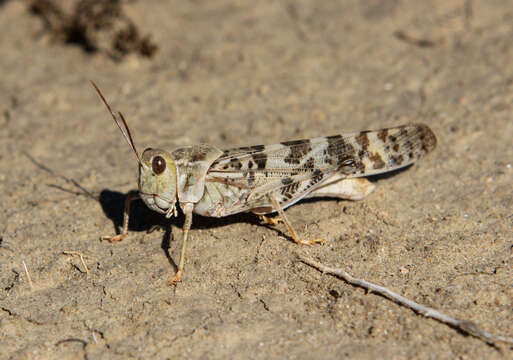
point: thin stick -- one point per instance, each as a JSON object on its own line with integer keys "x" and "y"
{"x": 28, "y": 275}
{"x": 465, "y": 326}
{"x": 81, "y": 259}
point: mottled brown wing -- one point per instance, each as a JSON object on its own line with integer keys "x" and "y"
{"x": 292, "y": 169}
{"x": 356, "y": 154}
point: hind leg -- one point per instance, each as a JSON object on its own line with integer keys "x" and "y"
{"x": 292, "y": 232}
{"x": 343, "y": 188}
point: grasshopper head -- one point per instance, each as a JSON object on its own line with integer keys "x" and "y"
{"x": 157, "y": 181}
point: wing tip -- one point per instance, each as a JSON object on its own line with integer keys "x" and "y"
{"x": 427, "y": 137}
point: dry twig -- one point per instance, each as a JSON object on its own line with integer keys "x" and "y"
{"x": 28, "y": 275}
{"x": 81, "y": 259}
{"x": 465, "y": 326}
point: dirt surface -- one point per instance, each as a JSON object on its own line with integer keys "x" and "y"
{"x": 235, "y": 73}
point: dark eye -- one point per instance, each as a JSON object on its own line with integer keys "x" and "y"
{"x": 158, "y": 165}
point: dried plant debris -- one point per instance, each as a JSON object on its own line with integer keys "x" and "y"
{"x": 94, "y": 25}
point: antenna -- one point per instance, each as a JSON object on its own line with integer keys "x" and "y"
{"x": 124, "y": 129}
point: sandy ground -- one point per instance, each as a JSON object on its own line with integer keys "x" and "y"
{"x": 235, "y": 73}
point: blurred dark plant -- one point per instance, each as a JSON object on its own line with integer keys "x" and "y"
{"x": 94, "y": 25}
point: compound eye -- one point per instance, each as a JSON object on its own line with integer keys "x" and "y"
{"x": 158, "y": 165}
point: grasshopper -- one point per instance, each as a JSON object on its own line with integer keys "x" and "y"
{"x": 264, "y": 179}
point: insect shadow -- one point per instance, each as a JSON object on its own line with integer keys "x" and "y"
{"x": 389, "y": 174}
{"x": 141, "y": 218}
{"x": 144, "y": 219}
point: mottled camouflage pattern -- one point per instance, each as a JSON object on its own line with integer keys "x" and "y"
{"x": 242, "y": 179}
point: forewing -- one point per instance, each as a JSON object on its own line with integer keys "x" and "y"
{"x": 290, "y": 170}
{"x": 356, "y": 154}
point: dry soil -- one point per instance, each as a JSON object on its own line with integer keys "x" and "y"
{"x": 234, "y": 73}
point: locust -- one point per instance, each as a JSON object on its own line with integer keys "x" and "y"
{"x": 263, "y": 179}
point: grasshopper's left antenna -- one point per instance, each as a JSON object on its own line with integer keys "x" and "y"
{"x": 125, "y": 130}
